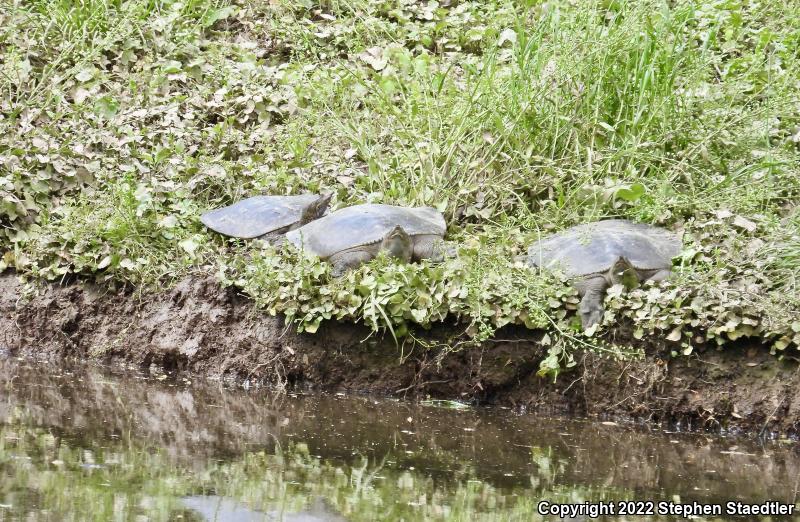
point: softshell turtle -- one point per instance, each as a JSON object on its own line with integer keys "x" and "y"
{"x": 354, "y": 235}
{"x": 601, "y": 254}
{"x": 266, "y": 217}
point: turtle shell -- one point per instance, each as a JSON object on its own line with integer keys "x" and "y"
{"x": 595, "y": 247}
{"x": 359, "y": 225}
{"x": 259, "y": 215}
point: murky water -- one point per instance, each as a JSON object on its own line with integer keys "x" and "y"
{"x": 84, "y": 445}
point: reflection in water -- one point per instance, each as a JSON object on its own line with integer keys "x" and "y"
{"x": 219, "y": 509}
{"x": 81, "y": 445}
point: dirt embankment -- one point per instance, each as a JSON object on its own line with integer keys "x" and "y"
{"x": 201, "y": 328}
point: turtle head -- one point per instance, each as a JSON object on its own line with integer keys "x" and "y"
{"x": 316, "y": 209}
{"x": 590, "y": 312}
{"x": 592, "y": 291}
{"x": 398, "y": 244}
{"x": 623, "y": 272}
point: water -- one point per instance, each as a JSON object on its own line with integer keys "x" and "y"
{"x": 84, "y": 445}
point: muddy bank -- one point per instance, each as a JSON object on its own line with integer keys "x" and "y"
{"x": 199, "y": 328}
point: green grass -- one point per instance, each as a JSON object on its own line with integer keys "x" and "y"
{"x": 122, "y": 122}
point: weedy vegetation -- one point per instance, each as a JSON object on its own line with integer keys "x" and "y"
{"x": 121, "y": 122}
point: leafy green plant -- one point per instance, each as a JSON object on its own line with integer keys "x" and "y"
{"x": 121, "y": 123}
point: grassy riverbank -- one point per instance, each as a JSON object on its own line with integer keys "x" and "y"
{"x": 122, "y": 122}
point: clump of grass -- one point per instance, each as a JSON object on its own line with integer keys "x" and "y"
{"x": 480, "y": 288}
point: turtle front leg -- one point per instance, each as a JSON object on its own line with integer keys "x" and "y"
{"x": 432, "y": 247}
{"x": 344, "y": 261}
{"x": 592, "y": 292}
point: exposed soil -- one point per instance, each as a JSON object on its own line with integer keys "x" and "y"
{"x": 200, "y": 328}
